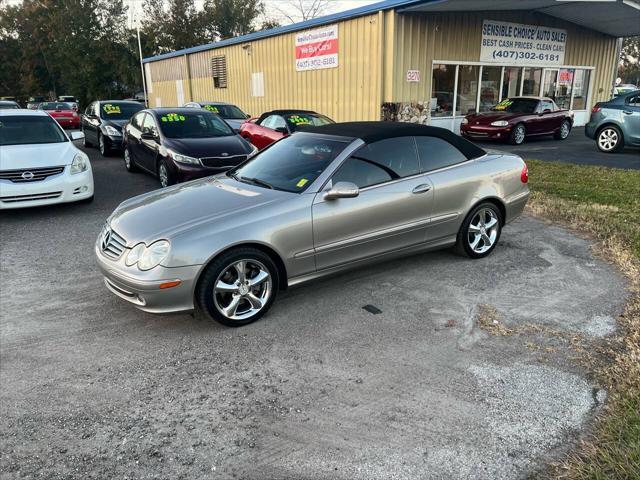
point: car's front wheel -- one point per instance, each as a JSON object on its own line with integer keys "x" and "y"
{"x": 238, "y": 287}
{"x": 518, "y": 134}
{"x": 103, "y": 146}
{"x": 129, "y": 163}
{"x": 480, "y": 231}
{"x": 86, "y": 143}
{"x": 609, "y": 139}
{"x": 164, "y": 175}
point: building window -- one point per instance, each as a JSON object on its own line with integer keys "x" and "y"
{"x": 442, "y": 90}
{"x": 531, "y": 81}
{"x": 511, "y": 81}
{"x": 489, "y": 88}
{"x": 219, "y": 71}
{"x": 580, "y": 89}
{"x": 467, "y": 93}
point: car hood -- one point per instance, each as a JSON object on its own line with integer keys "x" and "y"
{"x": 165, "y": 213}
{"x": 487, "y": 117}
{"x": 209, "y": 147}
{"x": 15, "y": 157}
{"x": 235, "y": 123}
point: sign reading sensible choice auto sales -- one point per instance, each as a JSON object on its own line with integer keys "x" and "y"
{"x": 316, "y": 49}
{"x": 518, "y": 44}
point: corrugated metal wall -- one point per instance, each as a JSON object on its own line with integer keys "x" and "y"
{"x": 422, "y": 38}
{"x": 375, "y": 52}
{"x": 352, "y": 91}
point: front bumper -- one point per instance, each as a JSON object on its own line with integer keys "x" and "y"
{"x": 590, "y": 130}
{"x": 142, "y": 288}
{"x": 482, "y": 132}
{"x": 184, "y": 173}
{"x": 114, "y": 142}
{"x": 61, "y": 188}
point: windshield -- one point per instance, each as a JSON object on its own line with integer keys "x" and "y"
{"x": 193, "y": 125}
{"x": 8, "y": 105}
{"x": 230, "y": 112}
{"x": 119, "y": 111}
{"x": 517, "y": 105}
{"x": 23, "y": 129}
{"x": 295, "y": 120}
{"x": 292, "y": 164}
{"x": 55, "y": 106}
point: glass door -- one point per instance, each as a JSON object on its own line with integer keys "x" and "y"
{"x": 511, "y": 82}
{"x": 549, "y": 83}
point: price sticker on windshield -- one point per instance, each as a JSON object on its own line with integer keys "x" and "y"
{"x": 503, "y": 104}
{"x": 302, "y": 182}
{"x": 110, "y": 109}
{"x": 298, "y": 120}
{"x": 172, "y": 117}
{"x": 212, "y": 108}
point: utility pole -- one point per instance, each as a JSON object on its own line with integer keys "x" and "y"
{"x": 144, "y": 83}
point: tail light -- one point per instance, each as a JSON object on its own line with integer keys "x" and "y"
{"x": 596, "y": 108}
{"x": 524, "y": 175}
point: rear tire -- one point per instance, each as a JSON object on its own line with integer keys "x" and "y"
{"x": 609, "y": 139}
{"x": 564, "y": 130}
{"x": 480, "y": 232}
{"x": 235, "y": 299}
{"x": 518, "y": 134}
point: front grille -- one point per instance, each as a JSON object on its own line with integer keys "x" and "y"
{"x": 30, "y": 174}
{"x": 223, "y": 162}
{"x": 111, "y": 244}
{"x": 477, "y": 134}
{"x": 29, "y": 198}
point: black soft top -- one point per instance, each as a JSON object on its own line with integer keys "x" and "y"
{"x": 370, "y": 132}
{"x": 284, "y": 112}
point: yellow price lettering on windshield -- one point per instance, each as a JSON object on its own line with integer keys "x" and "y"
{"x": 111, "y": 109}
{"x": 302, "y": 183}
{"x": 211, "y": 108}
{"x": 298, "y": 120}
{"x": 172, "y": 117}
{"x": 503, "y": 105}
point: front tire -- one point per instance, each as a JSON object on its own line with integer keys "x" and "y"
{"x": 103, "y": 146}
{"x": 563, "y": 131}
{"x": 609, "y": 139}
{"x": 518, "y": 134}
{"x": 165, "y": 176}
{"x": 238, "y": 287}
{"x": 129, "y": 163}
{"x": 86, "y": 143}
{"x": 480, "y": 232}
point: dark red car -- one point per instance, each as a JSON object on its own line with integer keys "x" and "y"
{"x": 63, "y": 113}
{"x": 514, "y": 119}
{"x": 274, "y": 125}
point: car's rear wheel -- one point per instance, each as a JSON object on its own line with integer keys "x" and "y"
{"x": 103, "y": 146}
{"x": 480, "y": 231}
{"x": 564, "y": 130}
{"x": 609, "y": 139}
{"x": 164, "y": 175}
{"x": 518, "y": 134}
{"x": 238, "y": 287}
{"x": 129, "y": 163}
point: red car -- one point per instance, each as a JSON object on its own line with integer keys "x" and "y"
{"x": 514, "y": 119}
{"x": 274, "y": 125}
{"x": 62, "y": 112}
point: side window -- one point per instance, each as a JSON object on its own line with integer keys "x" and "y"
{"x": 136, "y": 121}
{"x": 545, "y": 105}
{"x": 149, "y": 125}
{"x": 89, "y": 110}
{"x": 380, "y": 162}
{"x": 635, "y": 101}
{"x": 437, "y": 153}
{"x": 273, "y": 122}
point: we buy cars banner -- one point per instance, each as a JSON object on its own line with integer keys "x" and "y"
{"x": 317, "y": 49}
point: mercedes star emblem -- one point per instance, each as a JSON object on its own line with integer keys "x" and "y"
{"x": 105, "y": 238}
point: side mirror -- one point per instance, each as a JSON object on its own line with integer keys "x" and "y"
{"x": 546, "y": 110}
{"x": 248, "y": 115}
{"x": 342, "y": 190}
{"x": 282, "y": 130}
{"x": 76, "y": 135}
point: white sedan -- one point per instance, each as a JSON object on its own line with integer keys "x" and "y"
{"x": 39, "y": 164}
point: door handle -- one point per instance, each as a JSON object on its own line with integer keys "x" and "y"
{"x": 425, "y": 187}
{"x": 627, "y": 112}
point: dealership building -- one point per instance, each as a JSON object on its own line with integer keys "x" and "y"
{"x": 427, "y": 61}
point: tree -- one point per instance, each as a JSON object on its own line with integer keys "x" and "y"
{"x": 300, "y": 10}
{"x": 231, "y": 18}
{"x": 629, "y": 67}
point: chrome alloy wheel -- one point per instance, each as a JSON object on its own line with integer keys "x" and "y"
{"x": 519, "y": 134}
{"x": 564, "y": 130}
{"x": 164, "y": 175}
{"x": 242, "y": 289}
{"x": 102, "y": 145}
{"x": 127, "y": 159}
{"x": 608, "y": 139}
{"x": 483, "y": 230}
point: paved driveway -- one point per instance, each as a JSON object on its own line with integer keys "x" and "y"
{"x": 576, "y": 149}
{"x": 466, "y": 373}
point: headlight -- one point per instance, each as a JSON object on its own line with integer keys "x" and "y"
{"x": 499, "y": 123}
{"x": 178, "y": 157}
{"x": 80, "y": 163}
{"x": 254, "y": 151}
{"x": 465, "y": 121}
{"x": 153, "y": 255}
{"x": 134, "y": 254}
{"x": 114, "y": 132}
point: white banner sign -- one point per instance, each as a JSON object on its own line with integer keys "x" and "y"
{"x": 316, "y": 49}
{"x": 518, "y": 44}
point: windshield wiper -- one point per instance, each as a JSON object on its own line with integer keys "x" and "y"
{"x": 257, "y": 181}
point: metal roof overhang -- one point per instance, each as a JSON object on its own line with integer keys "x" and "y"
{"x": 618, "y": 18}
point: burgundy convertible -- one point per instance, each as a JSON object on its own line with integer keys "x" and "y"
{"x": 515, "y": 118}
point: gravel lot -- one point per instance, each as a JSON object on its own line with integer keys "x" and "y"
{"x": 468, "y": 372}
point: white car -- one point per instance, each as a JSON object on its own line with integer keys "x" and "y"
{"x": 39, "y": 164}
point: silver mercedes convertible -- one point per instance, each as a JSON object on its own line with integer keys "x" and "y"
{"x": 320, "y": 201}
